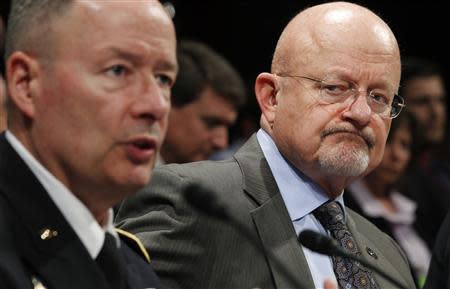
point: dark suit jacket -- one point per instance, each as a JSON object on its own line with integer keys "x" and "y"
{"x": 432, "y": 202}
{"x": 192, "y": 250}
{"x": 58, "y": 260}
{"x": 439, "y": 272}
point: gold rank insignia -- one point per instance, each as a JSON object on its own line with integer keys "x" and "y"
{"x": 134, "y": 242}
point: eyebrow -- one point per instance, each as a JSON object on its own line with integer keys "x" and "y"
{"x": 135, "y": 55}
{"x": 166, "y": 65}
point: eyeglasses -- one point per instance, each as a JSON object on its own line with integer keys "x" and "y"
{"x": 334, "y": 90}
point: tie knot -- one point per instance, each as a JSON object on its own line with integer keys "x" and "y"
{"x": 110, "y": 242}
{"x": 330, "y": 214}
{"x": 349, "y": 274}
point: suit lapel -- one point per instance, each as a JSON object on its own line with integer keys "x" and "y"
{"x": 44, "y": 240}
{"x": 280, "y": 241}
{"x": 381, "y": 262}
{"x": 272, "y": 221}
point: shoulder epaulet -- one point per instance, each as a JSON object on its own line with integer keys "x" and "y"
{"x": 134, "y": 242}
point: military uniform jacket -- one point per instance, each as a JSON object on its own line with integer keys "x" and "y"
{"x": 38, "y": 248}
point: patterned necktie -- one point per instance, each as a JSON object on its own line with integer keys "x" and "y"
{"x": 111, "y": 262}
{"x": 349, "y": 274}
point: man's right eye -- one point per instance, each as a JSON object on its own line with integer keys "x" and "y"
{"x": 116, "y": 70}
{"x": 335, "y": 89}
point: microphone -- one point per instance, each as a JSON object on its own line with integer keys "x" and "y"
{"x": 209, "y": 204}
{"x": 327, "y": 246}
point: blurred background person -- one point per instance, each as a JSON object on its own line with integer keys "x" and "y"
{"x": 246, "y": 124}
{"x": 426, "y": 180}
{"x": 376, "y": 197}
{"x": 3, "y": 13}
{"x": 205, "y": 102}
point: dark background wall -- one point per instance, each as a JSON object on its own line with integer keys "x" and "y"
{"x": 246, "y": 31}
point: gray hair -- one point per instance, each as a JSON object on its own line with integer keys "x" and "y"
{"x": 29, "y": 24}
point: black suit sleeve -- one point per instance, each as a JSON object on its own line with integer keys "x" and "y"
{"x": 439, "y": 274}
{"x": 12, "y": 271}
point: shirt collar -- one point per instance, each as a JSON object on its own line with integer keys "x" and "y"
{"x": 159, "y": 160}
{"x": 91, "y": 234}
{"x": 300, "y": 194}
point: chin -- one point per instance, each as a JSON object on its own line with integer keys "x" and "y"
{"x": 344, "y": 163}
{"x": 133, "y": 180}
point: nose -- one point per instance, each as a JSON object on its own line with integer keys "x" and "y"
{"x": 220, "y": 138}
{"x": 152, "y": 102}
{"x": 359, "y": 110}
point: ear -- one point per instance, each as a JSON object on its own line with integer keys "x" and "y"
{"x": 266, "y": 89}
{"x": 21, "y": 71}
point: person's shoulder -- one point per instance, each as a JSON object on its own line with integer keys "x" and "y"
{"x": 133, "y": 243}
{"x": 198, "y": 172}
{"x": 197, "y": 167}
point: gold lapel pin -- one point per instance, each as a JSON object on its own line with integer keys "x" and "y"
{"x": 47, "y": 234}
{"x": 371, "y": 253}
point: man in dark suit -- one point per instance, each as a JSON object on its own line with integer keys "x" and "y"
{"x": 3, "y": 12}
{"x": 89, "y": 88}
{"x": 439, "y": 272}
{"x": 326, "y": 108}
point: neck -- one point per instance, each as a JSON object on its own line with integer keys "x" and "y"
{"x": 333, "y": 186}
{"x": 102, "y": 218}
{"x": 100, "y": 213}
{"x": 380, "y": 191}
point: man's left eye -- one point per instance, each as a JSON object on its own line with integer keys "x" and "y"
{"x": 164, "y": 80}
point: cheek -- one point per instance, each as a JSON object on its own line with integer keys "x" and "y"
{"x": 421, "y": 114}
{"x": 404, "y": 158}
{"x": 381, "y": 132}
{"x": 299, "y": 131}
{"x": 164, "y": 126}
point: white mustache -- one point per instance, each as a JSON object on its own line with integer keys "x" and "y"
{"x": 365, "y": 134}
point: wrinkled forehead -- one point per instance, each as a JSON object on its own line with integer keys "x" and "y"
{"x": 337, "y": 27}
{"x": 343, "y": 43}
{"x": 103, "y": 21}
{"x": 359, "y": 28}
{"x": 122, "y": 12}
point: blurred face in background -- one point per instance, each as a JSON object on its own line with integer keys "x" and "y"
{"x": 198, "y": 129}
{"x": 425, "y": 98}
{"x": 2, "y": 104}
{"x": 2, "y": 84}
{"x": 397, "y": 154}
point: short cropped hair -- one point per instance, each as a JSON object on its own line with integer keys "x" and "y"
{"x": 29, "y": 24}
{"x": 201, "y": 67}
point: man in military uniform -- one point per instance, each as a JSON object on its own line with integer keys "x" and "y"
{"x": 89, "y": 85}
